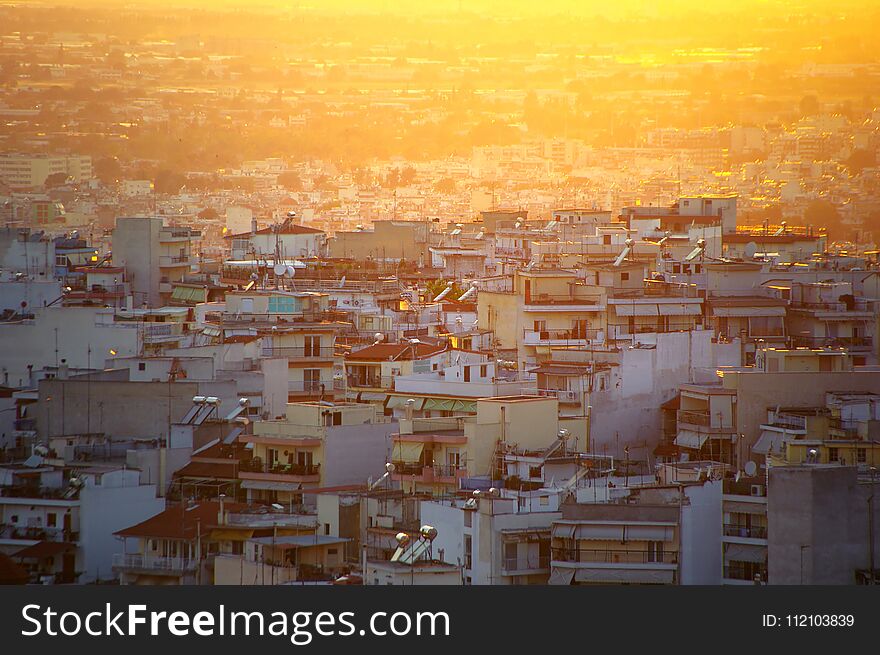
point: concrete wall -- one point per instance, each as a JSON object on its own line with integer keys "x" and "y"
{"x": 105, "y": 510}
{"x": 758, "y": 391}
{"x": 72, "y": 330}
{"x": 353, "y": 453}
{"x": 136, "y": 246}
{"x": 818, "y": 525}
{"x": 127, "y": 409}
{"x": 700, "y": 540}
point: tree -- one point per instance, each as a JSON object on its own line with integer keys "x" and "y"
{"x": 809, "y": 105}
{"x": 290, "y": 180}
{"x": 168, "y": 181}
{"x": 860, "y": 160}
{"x": 55, "y": 180}
{"x": 445, "y": 185}
{"x": 822, "y": 213}
{"x": 108, "y": 170}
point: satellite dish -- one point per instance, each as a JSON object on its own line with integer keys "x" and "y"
{"x": 279, "y": 269}
{"x": 751, "y": 468}
{"x": 750, "y": 250}
{"x": 291, "y": 271}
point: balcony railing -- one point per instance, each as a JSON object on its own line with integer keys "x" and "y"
{"x": 312, "y": 387}
{"x": 277, "y": 468}
{"x": 33, "y": 533}
{"x": 615, "y": 556}
{"x": 154, "y": 563}
{"x": 435, "y": 470}
{"x": 745, "y": 531}
{"x": 545, "y": 336}
{"x": 745, "y": 573}
{"x": 563, "y": 395}
{"x": 300, "y": 352}
{"x": 525, "y": 563}
{"x": 554, "y": 299}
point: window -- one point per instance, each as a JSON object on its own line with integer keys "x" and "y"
{"x": 142, "y": 366}
{"x": 312, "y": 346}
{"x": 311, "y": 379}
{"x": 277, "y": 305}
{"x": 624, "y": 277}
{"x": 544, "y": 500}
{"x": 468, "y": 518}
{"x": 833, "y": 455}
{"x": 483, "y": 371}
{"x": 51, "y": 519}
{"x": 468, "y": 547}
{"x": 326, "y": 529}
{"x": 467, "y": 373}
{"x": 332, "y": 551}
{"x": 861, "y": 455}
{"x": 655, "y": 551}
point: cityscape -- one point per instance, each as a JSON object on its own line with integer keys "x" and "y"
{"x": 488, "y": 293}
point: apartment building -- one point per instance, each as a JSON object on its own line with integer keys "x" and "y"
{"x": 316, "y": 445}
{"x": 22, "y": 171}
{"x": 154, "y": 256}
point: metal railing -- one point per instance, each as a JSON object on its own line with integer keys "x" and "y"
{"x": 563, "y": 395}
{"x": 735, "y": 572}
{"x": 531, "y": 336}
{"x": 301, "y": 352}
{"x": 150, "y": 562}
{"x": 615, "y": 556}
{"x": 278, "y": 468}
{"x": 745, "y": 531}
{"x": 36, "y": 533}
{"x": 554, "y": 299}
{"x": 525, "y": 563}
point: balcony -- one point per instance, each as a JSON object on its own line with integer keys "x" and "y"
{"x": 559, "y": 337}
{"x": 545, "y": 302}
{"x": 702, "y": 421}
{"x": 615, "y": 556}
{"x": 300, "y": 353}
{"x": 313, "y": 388}
{"x": 428, "y": 473}
{"x": 525, "y": 565}
{"x": 258, "y": 470}
{"x": 564, "y": 396}
{"x": 745, "y": 573}
{"x": 745, "y": 531}
{"x": 137, "y": 563}
{"x": 167, "y": 261}
{"x": 32, "y": 533}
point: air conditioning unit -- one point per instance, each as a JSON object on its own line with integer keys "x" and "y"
{"x": 757, "y": 489}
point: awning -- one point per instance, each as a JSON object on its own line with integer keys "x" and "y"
{"x": 745, "y": 553}
{"x": 407, "y": 451}
{"x": 561, "y": 576}
{"x": 563, "y": 530}
{"x": 636, "y": 576}
{"x": 439, "y": 404}
{"x": 680, "y": 309}
{"x": 748, "y": 311}
{"x": 691, "y": 439}
{"x": 371, "y": 395}
{"x": 636, "y": 310}
{"x": 600, "y": 532}
{"x": 466, "y": 406}
{"x": 190, "y": 294}
{"x": 769, "y": 442}
{"x": 271, "y": 486}
{"x": 741, "y": 507}
{"x": 399, "y": 402}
